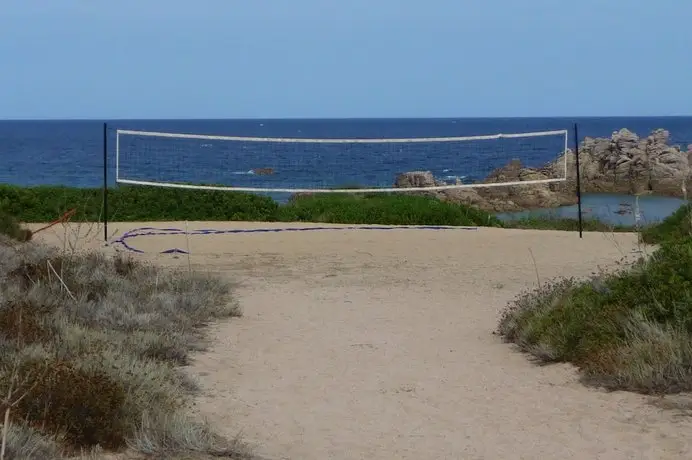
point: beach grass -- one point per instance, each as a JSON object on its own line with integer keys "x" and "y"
{"x": 91, "y": 349}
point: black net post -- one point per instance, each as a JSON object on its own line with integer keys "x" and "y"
{"x": 576, "y": 161}
{"x": 105, "y": 182}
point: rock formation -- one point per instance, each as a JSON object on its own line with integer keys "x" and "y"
{"x": 623, "y": 163}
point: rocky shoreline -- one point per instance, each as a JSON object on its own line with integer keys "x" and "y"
{"x": 623, "y": 163}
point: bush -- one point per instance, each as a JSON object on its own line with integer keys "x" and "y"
{"x": 89, "y": 349}
{"x": 674, "y": 227}
{"x": 146, "y": 204}
{"x": 11, "y": 228}
{"x": 85, "y": 407}
{"x": 630, "y": 330}
{"x": 383, "y": 209}
{"x": 131, "y": 203}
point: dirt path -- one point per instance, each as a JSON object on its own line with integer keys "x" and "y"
{"x": 378, "y": 345}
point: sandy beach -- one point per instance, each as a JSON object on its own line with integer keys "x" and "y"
{"x": 378, "y": 345}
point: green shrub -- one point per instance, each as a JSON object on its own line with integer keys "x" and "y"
{"x": 674, "y": 227}
{"x": 47, "y": 203}
{"x": 383, "y": 209}
{"x": 132, "y": 203}
{"x": 145, "y": 204}
{"x": 616, "y": 327}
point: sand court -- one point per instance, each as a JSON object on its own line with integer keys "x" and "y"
{"x": 378, "y": 344}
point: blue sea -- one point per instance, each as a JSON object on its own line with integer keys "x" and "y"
{"x": 71, "y": 152}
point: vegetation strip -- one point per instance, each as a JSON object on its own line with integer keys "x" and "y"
{"x": 148, "y": 204}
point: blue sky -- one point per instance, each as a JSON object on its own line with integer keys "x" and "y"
{"x": 345, "y": 58}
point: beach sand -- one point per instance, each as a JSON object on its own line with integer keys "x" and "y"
{"x": 378, "y": 345}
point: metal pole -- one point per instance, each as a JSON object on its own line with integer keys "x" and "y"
{"x": 105, "y": 182}
{"x": 576, "y": 160}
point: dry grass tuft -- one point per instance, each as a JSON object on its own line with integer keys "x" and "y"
{"x": 27, "y": 443}
{"x": 90, "y": 354}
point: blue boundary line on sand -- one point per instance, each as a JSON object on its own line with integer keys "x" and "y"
{"x": 154, "y": 231}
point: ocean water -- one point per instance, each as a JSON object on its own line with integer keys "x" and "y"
{"x": 71, "y": 152}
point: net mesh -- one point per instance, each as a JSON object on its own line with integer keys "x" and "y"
{"x": 314, "y": 165}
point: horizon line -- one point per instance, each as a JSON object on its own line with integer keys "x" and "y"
{"x": 559, "y": 117}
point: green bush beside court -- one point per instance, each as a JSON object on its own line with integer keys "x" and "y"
{"x": 379, "y": 208}
{"x": 625, "y": 330}
{"x": 628, "y": 330}
{"x": 133, "y": 203}
{"x": 675, "y": 227}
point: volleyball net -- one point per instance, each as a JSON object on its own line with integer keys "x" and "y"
{"x": 364, "y": 165}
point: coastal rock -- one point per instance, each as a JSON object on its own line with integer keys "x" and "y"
{"x": 623, "y": 163}
{"x": 415, "y": 179}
